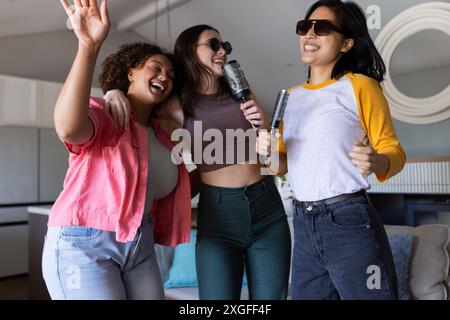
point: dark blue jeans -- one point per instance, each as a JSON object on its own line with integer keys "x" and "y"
{"x": 341, "y": 251}
{"x": 240, "y": 227}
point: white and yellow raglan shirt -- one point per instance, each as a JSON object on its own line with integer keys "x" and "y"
{"x": 321, "y": 125}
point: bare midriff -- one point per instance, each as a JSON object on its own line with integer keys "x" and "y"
{"x": 235, "y": 176}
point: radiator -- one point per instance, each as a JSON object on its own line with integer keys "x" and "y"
{"x": 417, "y": 177}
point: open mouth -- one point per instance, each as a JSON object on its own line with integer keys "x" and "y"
{"x": 157, "y": 88}
{"x": 311, "y": 48}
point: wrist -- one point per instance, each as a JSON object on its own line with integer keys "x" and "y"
{"x": 89, "y": 50}
{"x": 383, "y": 164}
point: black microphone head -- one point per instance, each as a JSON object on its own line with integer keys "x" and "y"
{"x": 239, "y": 87}
{"x": 278, "y": 111}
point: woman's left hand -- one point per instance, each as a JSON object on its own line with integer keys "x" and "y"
{"x": 367, "y": 160}
{"x": 254, "y": 114}
{"x": 90, "y": 24}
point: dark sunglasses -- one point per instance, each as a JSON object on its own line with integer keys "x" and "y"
{"x": 321, "y": 27}
{"x": 215, "y": 45}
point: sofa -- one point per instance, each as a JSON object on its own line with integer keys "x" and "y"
{"x": 426, "y": 270}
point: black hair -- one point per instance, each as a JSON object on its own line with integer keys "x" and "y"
{"x": 364, "y": 57}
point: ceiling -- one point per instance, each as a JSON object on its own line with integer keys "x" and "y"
{"x": 23, "y": 17}
{"x": 262, "y": 33}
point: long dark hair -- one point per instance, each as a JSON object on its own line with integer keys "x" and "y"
{"x": 364, "y": 57}
{"x": 194, "y": 70}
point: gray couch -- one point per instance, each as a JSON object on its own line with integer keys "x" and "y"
{"x": 429, "y": 277}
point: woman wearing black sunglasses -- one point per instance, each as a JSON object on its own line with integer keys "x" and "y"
{"x": 337, "y": 131}
{"x": 241, "y": 220}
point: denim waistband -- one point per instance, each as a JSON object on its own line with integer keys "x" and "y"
{"x": 330, "y": 201}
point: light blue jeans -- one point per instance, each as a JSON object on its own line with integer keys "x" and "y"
{"x": 81, "y": 263}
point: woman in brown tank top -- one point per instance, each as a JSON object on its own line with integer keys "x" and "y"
{"x": 241, "y": 220}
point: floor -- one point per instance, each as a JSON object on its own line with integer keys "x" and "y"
{"x": 14, "y": 288}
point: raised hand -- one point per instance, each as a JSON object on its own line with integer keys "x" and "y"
{"x": 90, "y": 24}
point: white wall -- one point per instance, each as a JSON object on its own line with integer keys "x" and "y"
{"x": 424, "y": 83}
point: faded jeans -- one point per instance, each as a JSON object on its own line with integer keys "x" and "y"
{"x": 81, "y": 263}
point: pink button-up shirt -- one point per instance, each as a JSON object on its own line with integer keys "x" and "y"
{"x": 105, "y": 185}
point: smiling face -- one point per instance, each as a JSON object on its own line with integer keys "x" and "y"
{"x": 210, "y": 59}
{"x": 152, "y": 82}
{"x": 323, "y": 50}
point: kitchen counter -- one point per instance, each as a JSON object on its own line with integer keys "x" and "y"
{"x": 42, "y": 210}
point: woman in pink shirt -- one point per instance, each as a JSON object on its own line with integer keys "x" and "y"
{"x": 120, "y": 189}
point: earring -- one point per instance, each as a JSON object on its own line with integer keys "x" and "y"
{"x": 130, "y": 79}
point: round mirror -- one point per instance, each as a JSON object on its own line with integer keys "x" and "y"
{"x": 420, "y": 65}
{"x": 408, "y": 46}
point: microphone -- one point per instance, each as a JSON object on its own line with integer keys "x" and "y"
{"x": 278, "y": 111}
{"x": 239, "y": 87}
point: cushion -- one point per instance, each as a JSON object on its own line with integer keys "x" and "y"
{"x": 401, "y": 247}
{"x": 429, "y": 266}
{"x": 182, "y": 272}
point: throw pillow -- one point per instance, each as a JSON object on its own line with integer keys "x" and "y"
{"x": 401, "y": 247}
{"x": 182, "y": 272}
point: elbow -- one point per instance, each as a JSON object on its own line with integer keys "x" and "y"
{"x": 64, "y": 131}
{"x": 66, "y": 135}
{"x": 72, "y": 135}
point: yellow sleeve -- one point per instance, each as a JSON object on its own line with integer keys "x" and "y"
{"x": 281, "y": 148}
{"x": 376, "y": 121}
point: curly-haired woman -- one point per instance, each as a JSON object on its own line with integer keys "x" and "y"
{"x": 121, "y": 184}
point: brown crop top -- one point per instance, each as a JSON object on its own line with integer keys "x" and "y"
{"x": 220, "y": 134}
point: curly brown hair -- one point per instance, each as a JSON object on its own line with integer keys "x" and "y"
{"x": 115, "y": 68}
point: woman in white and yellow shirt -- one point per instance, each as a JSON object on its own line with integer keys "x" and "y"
{"x": 337, "y": 131}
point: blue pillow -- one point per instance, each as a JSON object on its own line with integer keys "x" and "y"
{"x": 401, "y": 247}
{"x": 182, "y": 272}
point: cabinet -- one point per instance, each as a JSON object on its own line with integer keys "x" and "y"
{"x": 13, "y": 241}
{"x": 46, "y": 95}
{"x": 18, "y": 103}
{"x": 29, "y": 103}
{"x": 53, "y": 165}
{"x": 19, "y": 165}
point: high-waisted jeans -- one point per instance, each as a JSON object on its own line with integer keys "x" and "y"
{"x": 81, "y": 263}
{"x": 341, "y": 251}
{"x": 242, "y": 228}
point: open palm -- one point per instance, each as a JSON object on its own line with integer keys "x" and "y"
{"x": 90, "y": 25}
